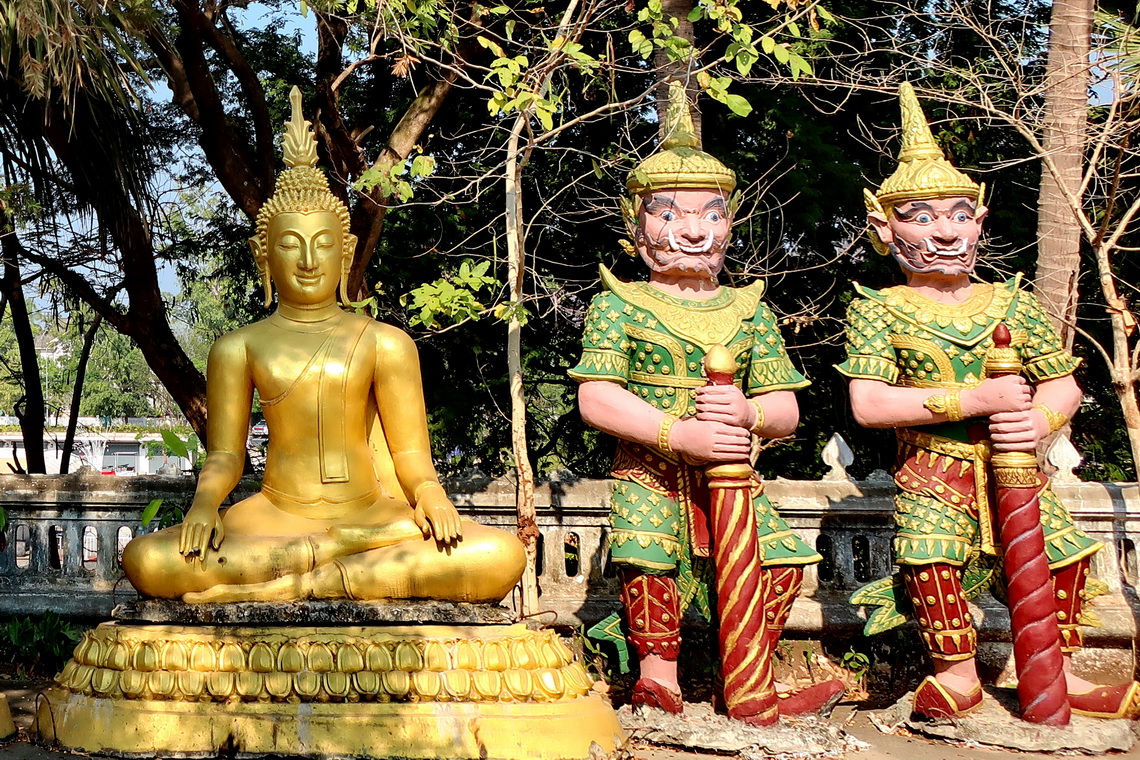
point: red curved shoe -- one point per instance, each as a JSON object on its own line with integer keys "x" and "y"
{"x": 933, "y": 700}
{"x": 819, "y": 699}
{"x": 650, "y": 693}
{"x": 1121, "y": 701}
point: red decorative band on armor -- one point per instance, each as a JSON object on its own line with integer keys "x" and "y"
{"x": 1068, "y": 590}
{"x": 944, "y": 619}
{"x": 649, "y": 467}
{"x": 653, "y": 613}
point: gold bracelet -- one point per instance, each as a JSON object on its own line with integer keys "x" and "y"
{"x": 667, "y": 423}
{"x": 1055, "y": 419}
{"x": 755, "y": 429}
{"x": 420, "y": 488}
{"x": 949, "y": 404}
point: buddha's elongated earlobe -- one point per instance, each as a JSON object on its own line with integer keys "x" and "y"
{"x": 267, "y": 287}
{"x": 263, "y": 269}
{"x": 350, "y": 241}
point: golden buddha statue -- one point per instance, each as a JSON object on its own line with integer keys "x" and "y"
{"x": 350, "y": 506}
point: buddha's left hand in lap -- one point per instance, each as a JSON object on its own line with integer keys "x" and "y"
{"x": 436, "y": 516}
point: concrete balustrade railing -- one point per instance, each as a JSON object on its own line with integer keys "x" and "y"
{"x": 61, "y": 544}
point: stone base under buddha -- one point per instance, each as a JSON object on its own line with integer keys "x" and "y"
{"x": 391, "y": 691}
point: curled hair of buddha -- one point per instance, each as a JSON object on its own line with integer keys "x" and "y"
{"x": 301, "y": 189}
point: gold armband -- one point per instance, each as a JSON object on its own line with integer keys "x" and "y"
{"x": 755, "y": 429}
{"x": 949, "y": 404}
{"x": 422, "y": 486}
{"x": 1055, "y": 419}
{"x": 667, "y": 423}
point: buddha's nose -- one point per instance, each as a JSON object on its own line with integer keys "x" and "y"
{"x": 308, "y": 258}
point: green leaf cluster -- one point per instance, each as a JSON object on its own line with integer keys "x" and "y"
{"x": 727, "y": 18}
{"x": 397, "y": 180}
{"x": 38, "y": 645}
{"x": 168, "y": 513}
{"x": 450, "y": 298}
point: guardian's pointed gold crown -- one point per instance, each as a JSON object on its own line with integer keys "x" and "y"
{"x": 680, "y": 165}
{"x": 923, "y": 170}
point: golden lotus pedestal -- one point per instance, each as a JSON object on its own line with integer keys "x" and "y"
{"x": 383, "y": 690}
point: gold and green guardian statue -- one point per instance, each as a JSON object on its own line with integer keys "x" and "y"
{"x": 684, "y": 372}
{"x": 260, "y": 631}
{"x": 971, "y": 376}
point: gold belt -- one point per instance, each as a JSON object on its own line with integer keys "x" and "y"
{"x": 942, "y": 445}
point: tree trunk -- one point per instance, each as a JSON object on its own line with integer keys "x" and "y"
{"x": 146, "y": 322}
{"x": 516, "y": 271}
{"x": 1126, "y": 392}
{"x": 30, "y": 410}
{"x": 174, "y": 369}
{"x": 668, "y": 71}
{"x": 77, "y": 394}
{"x": 1066, "y": 116}
{"x": 516, "y": 266}
{"x": 1120, "y": 359}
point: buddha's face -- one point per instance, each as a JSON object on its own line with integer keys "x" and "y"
{"x": 306, "y": 256}
{"x": 684, "y": 232}
{"x": 933, "y": 236}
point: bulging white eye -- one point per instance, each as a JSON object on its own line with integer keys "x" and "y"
{"x": 924, "y": 218}
{"x": 668, "y": 216}
{"x": 714, "y": 216}
{"x": 961, "y": 217}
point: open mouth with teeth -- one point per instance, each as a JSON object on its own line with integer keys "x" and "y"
{"x": 701, "y": 258}
{"x": 931, "y": 257}
{"x": 692, "y": 248}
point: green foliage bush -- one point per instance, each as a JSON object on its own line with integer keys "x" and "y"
{"x": 38, "y": 646}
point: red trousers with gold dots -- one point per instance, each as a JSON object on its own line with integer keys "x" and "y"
{"x": 944, "y": 620}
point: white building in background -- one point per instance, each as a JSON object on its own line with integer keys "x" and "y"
{"x": 105, "y": 451}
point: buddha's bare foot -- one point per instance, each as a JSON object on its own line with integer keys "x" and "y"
{"x": 288, "y": 588}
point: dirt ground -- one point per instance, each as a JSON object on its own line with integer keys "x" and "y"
{"x": 22, "y": 696}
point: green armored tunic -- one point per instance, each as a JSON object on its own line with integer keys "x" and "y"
{"x": 943, "y": 508}
{"x": 903, "y": 338}
{"x": 653, "y": 344}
